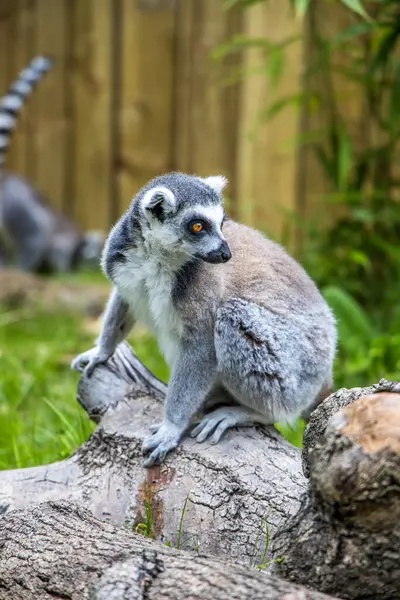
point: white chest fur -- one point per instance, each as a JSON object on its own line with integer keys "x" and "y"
{"x": 146, "y": 285}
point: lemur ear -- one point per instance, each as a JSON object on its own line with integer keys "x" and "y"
{"x": 216, "y": 182}
{"x": 159, "y": 201}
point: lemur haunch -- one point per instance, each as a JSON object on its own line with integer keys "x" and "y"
{"x": 238, "y": 320}
{"x": 31, "y": 232}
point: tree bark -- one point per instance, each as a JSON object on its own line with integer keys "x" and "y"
{"x": 335, "y": 528}
{"x": 60, "y": 551}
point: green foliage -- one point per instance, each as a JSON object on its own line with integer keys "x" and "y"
{"x": 264, "y": 564}
{"x": 146, "y": 529}
{"x": 365, "y": 354}
{"x": 356, "y": 257}
{"x": 179, "y": 541}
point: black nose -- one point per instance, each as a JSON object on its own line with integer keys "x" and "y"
{"x": 226, "y": 254}
{"x": 221, "y": 255}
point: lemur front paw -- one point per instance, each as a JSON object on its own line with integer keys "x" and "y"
{"x": 87, "y": 361}
{"x": 165, "y": 438}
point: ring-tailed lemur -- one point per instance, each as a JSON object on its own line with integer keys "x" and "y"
{"x": 238, "y": 319}
{"x": 31, "y": 232}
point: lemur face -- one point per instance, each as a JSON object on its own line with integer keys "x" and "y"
{"x": 184, "y": 214}
{"x": 201, "y": 231}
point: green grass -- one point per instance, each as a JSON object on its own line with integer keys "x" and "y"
{"x": 40, "y": 419}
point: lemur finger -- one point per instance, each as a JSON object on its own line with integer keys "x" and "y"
{"x": 99, "y": 359}
{"x": 159, "y": 454}
{"x": 167, "y": 435}
{"x": 150, "y": 443}
{"x": 220, "y": 430}
{"x": 154, "y": 428}
{"x": 79, "y": 363}
{"x": 207, "y": 429}
{"x": 196, "y": 429}
{"x": 88, "y": 371}
{"x": 203, "y": 423}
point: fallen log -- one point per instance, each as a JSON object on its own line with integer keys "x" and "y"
{"x": 334, "y": 528}
{"x": 60, "y": 551}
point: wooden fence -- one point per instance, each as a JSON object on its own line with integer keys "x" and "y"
{"x": 135, "y": 93}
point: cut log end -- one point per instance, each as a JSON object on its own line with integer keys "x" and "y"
{"x": 357, "y": 461}
{"x": 373, "y": 422}
{"x": 331, "y": 406}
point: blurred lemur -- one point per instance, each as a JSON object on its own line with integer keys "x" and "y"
{"x": 238, "y": 320}
{"x": 32, "y": 234}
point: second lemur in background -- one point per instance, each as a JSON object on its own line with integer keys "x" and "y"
{"x": 238, "y": 320}
{"x": 32, "y": 234}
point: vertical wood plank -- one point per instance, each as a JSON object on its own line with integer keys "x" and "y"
{"x": 50, "y": 132}
{"x": 8, "y": 48}
{"x": 210, "y": 152}
{"x": 266, "y": 161}
{"x": 330, "y": 20}
{"x": 145, "y": 117}
{"x": 92, "y": 101}
{"x": 5, "y": 14}
{"x": 231, "y": 112}
{"x": 182, "y": 157}
{"x": 23, "y": 51}
{"x": 205, "y": 107}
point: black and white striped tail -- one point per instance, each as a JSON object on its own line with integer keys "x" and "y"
{"x": 12, "y": 102}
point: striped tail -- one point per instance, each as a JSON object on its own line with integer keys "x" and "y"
{"x": 12, "y": 102}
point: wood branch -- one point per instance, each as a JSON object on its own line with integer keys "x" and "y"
{"x": 253, "y": 474}
{"x": 60, "y": 551}
{"x": 346, "y": 536}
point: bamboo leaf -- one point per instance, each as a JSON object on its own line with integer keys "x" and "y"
{"x": 300, "y": 7}
{"x": 395, "y": 102}
{"x": 344, "y": 160}
{"x": 387, "y": 46}
{"x": 352, "y": 32}
{"x": 352, "y": 319}
{"x": 276, "y": 107}
{"x": 275, "y": 65}
{"x": 325, "y": 162}
{"x": 241, "y": 3}
{"x": 357, "y": 7}
{"x": 238, "y": 43}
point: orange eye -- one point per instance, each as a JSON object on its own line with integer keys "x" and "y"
{"x": 197, "y": 227}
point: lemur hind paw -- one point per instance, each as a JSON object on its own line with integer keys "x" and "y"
{"x": 215, "y": 424}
